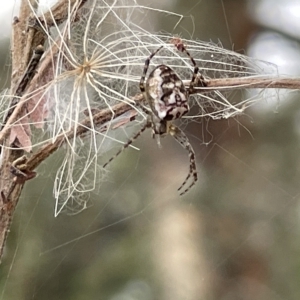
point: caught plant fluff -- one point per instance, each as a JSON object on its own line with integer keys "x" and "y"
{"x": 97, "y": 62}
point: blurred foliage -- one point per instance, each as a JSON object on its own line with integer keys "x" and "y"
{"x": 234, "y": 236}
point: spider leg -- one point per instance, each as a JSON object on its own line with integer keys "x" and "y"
{"x": 143, "y": 108}
{"x": 147, "y": 125}
{"x": 151, "y": 122}
{"x": 178, "y": 43}
{"x": 182, "y": 139}
{"x": 197, "y": 76}
{"x": 146, "y": 66}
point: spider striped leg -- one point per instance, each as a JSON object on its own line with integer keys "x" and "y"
{"x": 178, "y": 43}
{"x": 182, "y": 139}
{"x": 195, "y": 79}
{"x": 146, "y": 66}
{"x": 147, "y": 125}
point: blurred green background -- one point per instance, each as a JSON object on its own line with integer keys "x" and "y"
{"x": 234, "y": 236}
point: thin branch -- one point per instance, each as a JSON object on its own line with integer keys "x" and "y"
{"x": 20, "y": 60}
{"x": 249, "y": 82}
{"x": 100, "y": 118}
{"x": 106, "y": 115}
{"x": 24, "y": 39}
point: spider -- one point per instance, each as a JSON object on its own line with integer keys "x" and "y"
{"x": 167, "y": 98}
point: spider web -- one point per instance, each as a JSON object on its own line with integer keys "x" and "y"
{"x": 99, "y": 64}
{"x": 235, "y": 235}
{"x": 116, "y": 47}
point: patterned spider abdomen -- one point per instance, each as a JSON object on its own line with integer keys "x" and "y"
{"x": 166, "y": 94}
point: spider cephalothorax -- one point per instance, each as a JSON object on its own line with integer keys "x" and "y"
{"x": 167, "y": 98}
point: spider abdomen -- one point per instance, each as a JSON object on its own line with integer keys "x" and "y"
{"x": 166, "y": 94}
